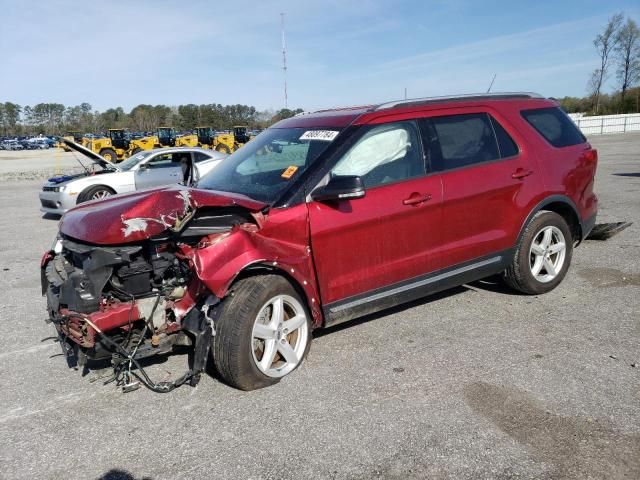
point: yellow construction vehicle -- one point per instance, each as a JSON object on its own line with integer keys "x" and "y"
{"x": 72, "y": 136}
{"x": 190, "y": 140}
{"x": 206, "y": 137}
{"x": 115, "y": 147}
{"x": 165, "y": 137}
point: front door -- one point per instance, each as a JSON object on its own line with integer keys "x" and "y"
{"x": 363, "y": 246}
{"x": 162, "y": 169}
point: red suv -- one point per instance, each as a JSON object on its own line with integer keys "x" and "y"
{"x": 322, "y": 218}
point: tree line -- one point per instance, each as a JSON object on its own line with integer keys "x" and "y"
{"x": 618, "y": 50}
{"x": 56, "y": 118}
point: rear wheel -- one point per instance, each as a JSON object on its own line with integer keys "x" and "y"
{"x": 97, "y": 192}
{"x": 262, "y": 334}
{"x": 543, "y": 255}
{"x": 109, "y": 155}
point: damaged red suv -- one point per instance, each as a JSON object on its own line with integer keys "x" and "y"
{"x": 322, "y": 218}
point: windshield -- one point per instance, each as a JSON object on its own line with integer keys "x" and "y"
{"x": 266, "y": 166}
{"x": 131, "y": 162}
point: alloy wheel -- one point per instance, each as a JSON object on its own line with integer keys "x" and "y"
{"x": 100, "y": 194}
{"x": 547, "y": 254}
{"x": 280, "y": 336}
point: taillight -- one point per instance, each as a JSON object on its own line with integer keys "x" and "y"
{"x": 591, "y": 155}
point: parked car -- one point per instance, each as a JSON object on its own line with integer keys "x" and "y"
{"x": 12, "y": 145}
{"x": 320, "y": 219}
{"x": 151, "y": 168}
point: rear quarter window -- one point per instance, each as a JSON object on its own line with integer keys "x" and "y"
{"x": 555, "y": 126}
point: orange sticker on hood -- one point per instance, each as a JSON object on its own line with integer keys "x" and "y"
{"x": 288, "y": 173}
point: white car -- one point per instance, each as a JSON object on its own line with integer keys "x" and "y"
{"x": 147, "y": 169}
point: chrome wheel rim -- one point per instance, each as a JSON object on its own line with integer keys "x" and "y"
{"x": 280, "y": 335}
{"x": 547, "y": 254}
{"x": 100, "y": 194}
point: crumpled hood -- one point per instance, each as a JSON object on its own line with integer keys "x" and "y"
{"x": 140, "y": 215}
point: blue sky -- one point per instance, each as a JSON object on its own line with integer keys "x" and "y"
{"x": 340, "y": 52}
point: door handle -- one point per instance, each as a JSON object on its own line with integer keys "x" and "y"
{"x": 416, "y": 198}
{"x": 521, "y": 173}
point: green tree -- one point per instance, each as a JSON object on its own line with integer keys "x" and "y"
{"x": 10, "y": 118}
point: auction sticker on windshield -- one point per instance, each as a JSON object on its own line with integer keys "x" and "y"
{"x": 323, "y": 135}
{"x": 288, "y": 173}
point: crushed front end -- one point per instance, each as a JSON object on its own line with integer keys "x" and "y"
{"x": 124, "y": 303}
{"x": 136, "y": 275}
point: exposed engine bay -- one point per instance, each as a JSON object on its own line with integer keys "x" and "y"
{"x": 128, "y": 302}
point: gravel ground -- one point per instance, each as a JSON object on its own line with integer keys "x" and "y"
{"x": 473, "y": 383}
{"x": 38, "y": 164}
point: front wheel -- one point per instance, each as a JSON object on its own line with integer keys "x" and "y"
{"x": 543, "y": 255}
{"x": 97, "y": 192}
{"x": 109, "y": 155}
{"x": 263, "y": 333}
{"x": 222, "y": 148}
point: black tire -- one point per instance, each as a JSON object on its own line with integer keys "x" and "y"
{"x": 90, "y": 192}
{"x": 233, "y": 342}
{"x": 519, "y": 275}
{"x": 222, "y": 148}
{"x": 109, "y": 154}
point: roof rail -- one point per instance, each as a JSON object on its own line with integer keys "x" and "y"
{"x": 453, "y": 98}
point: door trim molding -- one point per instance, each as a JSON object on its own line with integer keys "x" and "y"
{"x": 414, "y": 288}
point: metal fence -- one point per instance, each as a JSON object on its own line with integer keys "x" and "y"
{"x": 601, "y": 124}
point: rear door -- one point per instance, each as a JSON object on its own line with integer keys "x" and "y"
{"x": 488, "y": 181}
{"x": 161, "y": 169}
{"x": 366, "y": 245}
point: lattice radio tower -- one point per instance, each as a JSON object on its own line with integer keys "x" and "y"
{"x": 284, "y": 61}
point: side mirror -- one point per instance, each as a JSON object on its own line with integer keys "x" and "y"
{"x": 144, "y": 166}
{"x": 342, "y": 187}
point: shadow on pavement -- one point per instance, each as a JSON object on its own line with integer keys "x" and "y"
{"x": 389, "y": 311}
{"x": 118, "y": 474}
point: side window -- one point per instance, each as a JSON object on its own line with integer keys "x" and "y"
{"x": 506, "y": 145}
{"x": 167, "y": 160}
{"x": 384, "y": 154}
{"x": 555, "y": 126}
{"x": 201, "y": 157}
{"x": 462, "y": 140}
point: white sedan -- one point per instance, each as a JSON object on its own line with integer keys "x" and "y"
{"x": 151, "y": 168}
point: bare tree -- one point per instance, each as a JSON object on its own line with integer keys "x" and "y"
{"x": 605, "y": 43}
{"x": 628, "y": 56}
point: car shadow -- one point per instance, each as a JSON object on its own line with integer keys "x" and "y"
{"x": 51, "y": 216}
{"x": 630, "y": 174}
{"x": 119, "y": 474}
{"x": 495, "y": 284}
{"x": 321, "y": 332}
